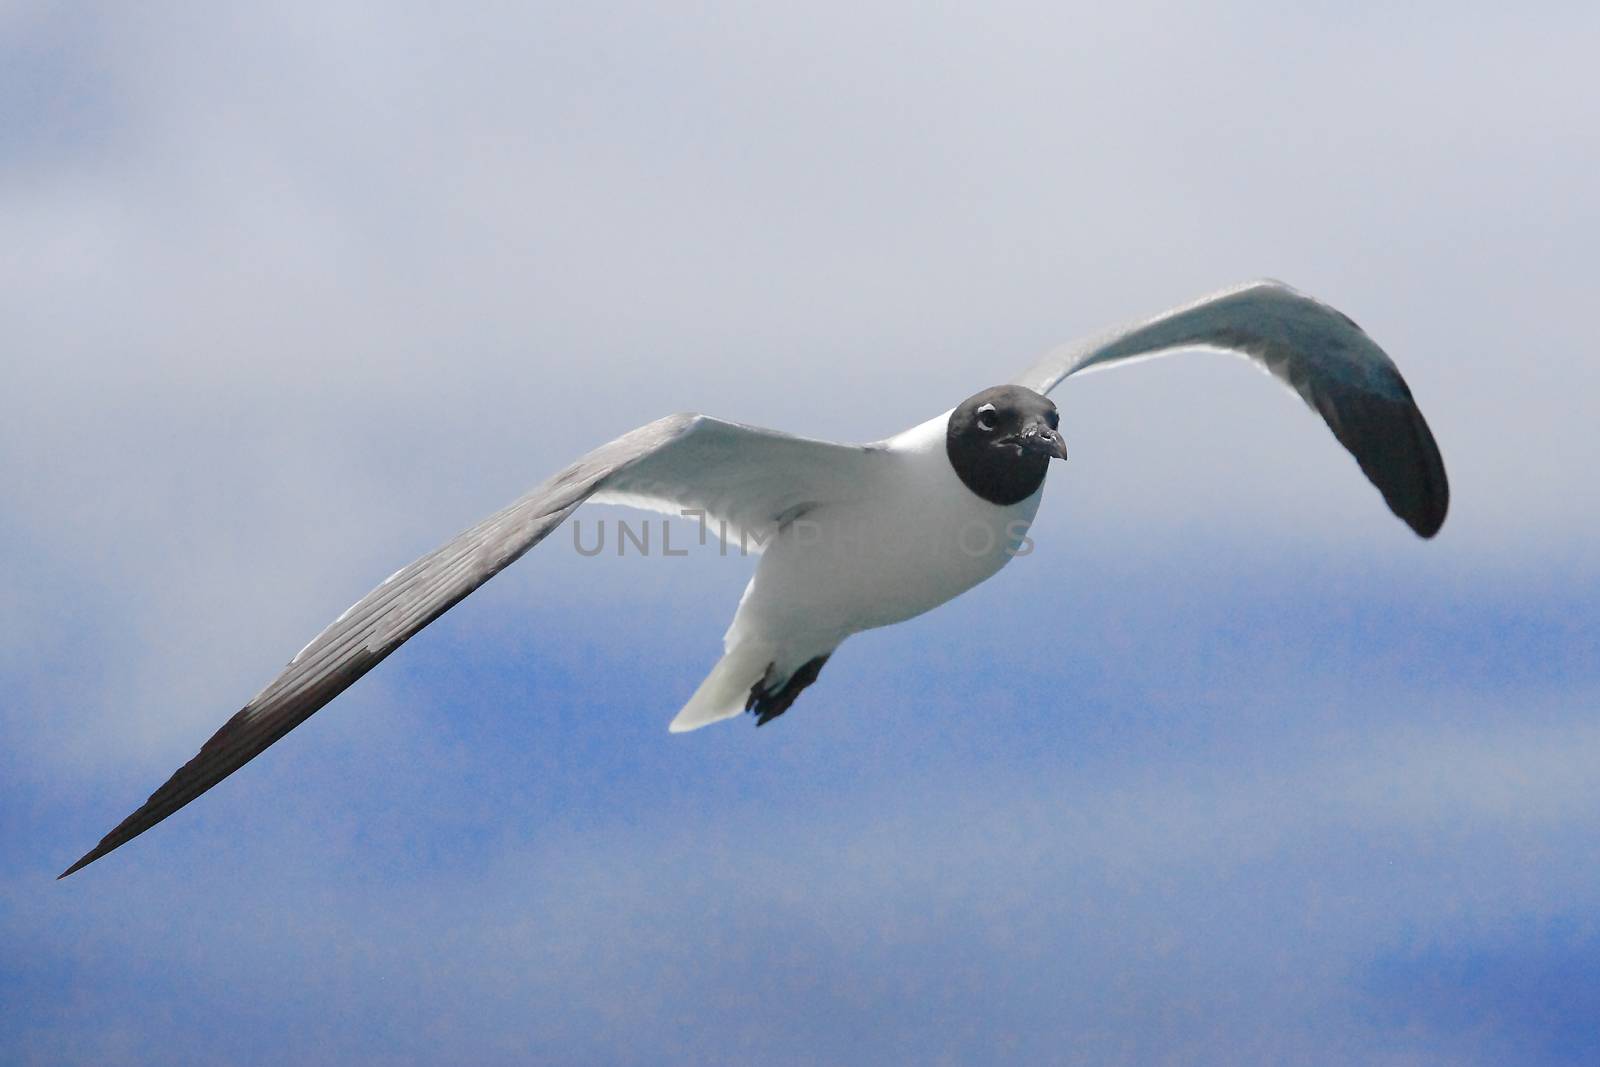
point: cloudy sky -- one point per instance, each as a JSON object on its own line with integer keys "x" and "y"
{"x": 1232, "y": 768}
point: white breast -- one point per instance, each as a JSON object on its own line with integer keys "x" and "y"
{"x": 919, "y": 539}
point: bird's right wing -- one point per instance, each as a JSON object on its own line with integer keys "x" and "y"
{"x": 748, "y": 477}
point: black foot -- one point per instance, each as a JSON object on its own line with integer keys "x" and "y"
{"x": 767, "y": 704}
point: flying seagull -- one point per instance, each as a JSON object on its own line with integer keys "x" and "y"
{"x": 854, "y": 536}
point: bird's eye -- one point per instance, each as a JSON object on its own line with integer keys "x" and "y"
{"x": 1054, "y": 419}
{"x": 987, "y": 418}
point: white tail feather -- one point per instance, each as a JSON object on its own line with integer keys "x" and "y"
{"x": 726, "y": 689}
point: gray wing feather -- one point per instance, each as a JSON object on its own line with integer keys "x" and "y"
{"x": 1338, "y": 370}
{"x": 413, "y": 597}
{"x": 749, "y": 480}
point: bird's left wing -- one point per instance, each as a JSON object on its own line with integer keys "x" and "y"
{"x": 748, "y": 477}
{"x": 1338, "y": 370}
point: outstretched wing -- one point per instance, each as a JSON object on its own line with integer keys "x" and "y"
{"x": 1318, "y": 352}
{"x": 748, "y": 477}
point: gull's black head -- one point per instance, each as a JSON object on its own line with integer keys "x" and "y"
{"x": 1000, "y": 442}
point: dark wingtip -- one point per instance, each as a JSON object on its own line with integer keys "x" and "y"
{"x": 109, "y": 843}
{"x": 1428, "y": 504}
{"x": 84, "y": 861}
{"x": 1425, "y": 528}
{"x": 1425, "y": 514}
{"x": 1428, "y": 523}
{"x": 1391, "y": 442}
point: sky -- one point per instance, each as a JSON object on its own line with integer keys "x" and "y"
{"x": 1232, "y": 768}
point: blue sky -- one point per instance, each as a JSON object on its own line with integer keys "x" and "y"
{"x": 1231, "y": 769}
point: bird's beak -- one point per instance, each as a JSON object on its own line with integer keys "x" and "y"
{"x": 1038, "y": 437}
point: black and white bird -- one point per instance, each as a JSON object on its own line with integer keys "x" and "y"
{"x": 854, "y": 536}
